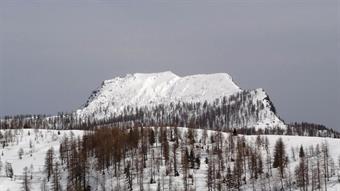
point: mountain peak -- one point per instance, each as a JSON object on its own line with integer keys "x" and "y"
{"x": 223, "y": 76}
{"x": 155, "y": 75}
{"x": 165, "y": 73}
{"x": 151, "y": 89}
{"x": 142, "y": 89}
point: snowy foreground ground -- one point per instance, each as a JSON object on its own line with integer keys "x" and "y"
{"x": 35, "y": 143}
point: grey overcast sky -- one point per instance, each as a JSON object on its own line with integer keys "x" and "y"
{"x": 53, "y": 53}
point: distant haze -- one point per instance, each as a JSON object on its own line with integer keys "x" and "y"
{"x": 54, "y": 53}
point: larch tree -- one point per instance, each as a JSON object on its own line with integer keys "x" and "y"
{"x": 300, "y": 171}
{"x": 280, "y": 158}
{"x": 56, "y": 186}
{"x": 26, "y": 184}
{"x": 49, "y": 163}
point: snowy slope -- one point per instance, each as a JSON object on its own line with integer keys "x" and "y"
{"x": 139, "y": 89}
{"x": 42, "y": 140}
{"x": 35, "y": 144}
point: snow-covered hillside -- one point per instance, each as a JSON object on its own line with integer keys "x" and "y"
{"x": 35, "y": 143}
{"x": 138, "y": 90}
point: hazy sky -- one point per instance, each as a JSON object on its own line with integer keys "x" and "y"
{"x": 54, "y": 53}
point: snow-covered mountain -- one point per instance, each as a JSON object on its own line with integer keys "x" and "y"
{"x": 139, "y": 90}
